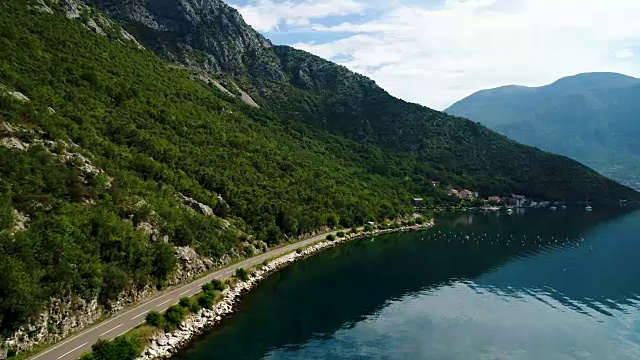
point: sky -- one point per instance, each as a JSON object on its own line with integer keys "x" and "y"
{"x": 436, "y": 52}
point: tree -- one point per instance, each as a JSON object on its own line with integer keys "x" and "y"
{"x": 287, "y": 222}
{"x": 173, "y": 317}
{"x": 19, "y": 293}
{"x": 242, "y": 274}
{"x": 154, "y": 319}
{"x": 208, "y": 287}
{"x": 333, "y": 220}
{"x": 120, "y": 348}
{"x": 218, "y": 285}
{"x": 165, "y": 261}
{"x": 190, "y": 304}
{"x": 206, "y": 300}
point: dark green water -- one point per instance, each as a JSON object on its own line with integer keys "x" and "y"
{"x": 540, "y": 285}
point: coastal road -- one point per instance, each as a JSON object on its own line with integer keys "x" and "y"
{"x": 133, "y": 316}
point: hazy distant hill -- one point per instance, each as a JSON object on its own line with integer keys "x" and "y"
{"x": 593, "y": 118}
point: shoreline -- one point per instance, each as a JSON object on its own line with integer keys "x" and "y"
{"x": 166, "y": 344}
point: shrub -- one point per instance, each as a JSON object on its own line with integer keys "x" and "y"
{"x": 120, "y": 348}
{"x": 208, "y": 287}
{"x": 242, "y": 274}
{"x": 154, "y": 319}
{"x": 419, "y": 220}
{"x": 299, "y": 251}
{"x": 206, "y": 300}
{"x": 173, "y": 317}
{"x": 331, "y": 237}
{"x": 333, "y": 220}
{"x": 218, "y": 284}
{"x": 190, "y": 304}
{"x": 340, "y": 234}
{"x": 368, "y": 228}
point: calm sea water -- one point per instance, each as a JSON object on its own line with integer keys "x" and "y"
{"x": 539, "y": 285}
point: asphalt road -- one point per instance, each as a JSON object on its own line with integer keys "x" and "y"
{"x": 131, "y": 317}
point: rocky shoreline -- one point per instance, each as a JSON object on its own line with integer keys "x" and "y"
{"x": 165, "y": 345}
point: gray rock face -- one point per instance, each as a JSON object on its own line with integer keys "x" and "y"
{"x": 62, "y": 317}
{"x": 206, "y": 34}
{"x": 190, "y": 264}
{"x": 197, "y": 206}
{"x": 5, "y": 91}
{"x": 14, "y": 143}
{"x": 19, "y": 222}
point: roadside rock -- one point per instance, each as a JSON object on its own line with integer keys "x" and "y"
{"x": 62, "y": 317}
{"x": 190, "y": 264}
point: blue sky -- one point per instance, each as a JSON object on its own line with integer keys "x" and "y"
{"x": 435, "y": 52}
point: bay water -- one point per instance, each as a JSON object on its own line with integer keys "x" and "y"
{"x": 537, "y": 284}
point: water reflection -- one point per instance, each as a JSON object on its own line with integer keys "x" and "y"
{"x": 435, "y": 294}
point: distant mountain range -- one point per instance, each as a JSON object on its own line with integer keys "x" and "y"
{"x": 593, "y": 118}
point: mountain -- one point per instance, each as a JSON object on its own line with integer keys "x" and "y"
{"x": 592, "y": 118}
{"x": 299, "y": 87}
{"x": 141, "y": 150}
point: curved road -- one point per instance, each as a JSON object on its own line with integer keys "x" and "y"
{"x": 131, "y": 317}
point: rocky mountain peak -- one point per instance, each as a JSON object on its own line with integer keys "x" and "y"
{"x": 204, "y": 34}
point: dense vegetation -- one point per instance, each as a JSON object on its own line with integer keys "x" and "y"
{"x": 589, "y": 117}
{"x": 333, "y": 97}
{"x": 155, "y": 133}
{"x": 119, "y": 138}
{"x": 300, "y": 87}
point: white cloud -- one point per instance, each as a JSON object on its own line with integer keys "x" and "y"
{"x": 267, "y": 15}
{"x": 624, "y": 54}
{"x": 435, "y": 55}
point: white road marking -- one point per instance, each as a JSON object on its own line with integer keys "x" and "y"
{"x": 184, "y": 292}
{"x": 137, "y": 316}
{"x": 163, "y": 303}
{"x": 108, "y": 331}
{"x": 65, "y": 354}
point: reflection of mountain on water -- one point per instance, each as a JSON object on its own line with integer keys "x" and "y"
{"x": 344, "y": 285}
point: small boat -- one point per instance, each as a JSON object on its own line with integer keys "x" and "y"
{"x": 588, "y": 207}
{"x": 564, "y": 207}
{"x": 553, "y": 208}
{"x": 509, "y": 211}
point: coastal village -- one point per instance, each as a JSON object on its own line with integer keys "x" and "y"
{"x": 492, "y": 202}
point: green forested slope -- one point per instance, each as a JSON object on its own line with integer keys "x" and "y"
{"x": 302, "y": 88}
{"x": 330, "y": 96}
{"x": 155, "y": 133}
